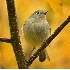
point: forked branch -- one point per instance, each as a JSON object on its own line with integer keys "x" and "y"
{"x": 15, "y": 38}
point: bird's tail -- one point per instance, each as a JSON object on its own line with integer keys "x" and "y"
{"x": 43, "y": 56}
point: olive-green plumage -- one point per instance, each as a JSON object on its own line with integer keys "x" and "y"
{"x": 36, "y": 30}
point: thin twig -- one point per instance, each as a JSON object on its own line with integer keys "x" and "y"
{"x": 16, "y": 43}
{"x": 7, "y": 40}
{"x": 45, "y": 44}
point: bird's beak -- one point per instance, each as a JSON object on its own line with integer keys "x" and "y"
{"x": 45, "y": 12}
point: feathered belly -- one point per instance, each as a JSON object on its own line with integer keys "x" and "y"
{"x": 36, "y": 34}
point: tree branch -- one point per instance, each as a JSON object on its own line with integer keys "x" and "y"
{"x": 48, "y": 41}
{"x": 16, "y": 43}
{"x": 7, "y": 40}
{"x": 15, "y": 38}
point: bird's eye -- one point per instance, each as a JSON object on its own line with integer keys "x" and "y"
{"x": 37, "y": 12}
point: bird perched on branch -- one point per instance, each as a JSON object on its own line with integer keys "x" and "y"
{"x": 36, "y": 30}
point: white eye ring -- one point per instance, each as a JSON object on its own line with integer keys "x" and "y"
{"x": 37, "y": 13}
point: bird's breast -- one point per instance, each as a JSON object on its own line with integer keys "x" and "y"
{"x": 36, "y": 33}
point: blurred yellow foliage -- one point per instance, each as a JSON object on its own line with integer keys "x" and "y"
{"x": 59, "y": 50}
{"x": 56, "y": 5}
{"x": 59, "y": 6}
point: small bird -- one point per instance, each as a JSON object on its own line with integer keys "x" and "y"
{"x": 36, "y": 30}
